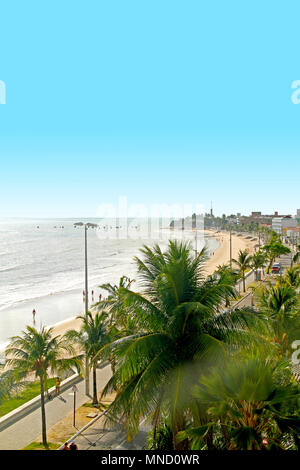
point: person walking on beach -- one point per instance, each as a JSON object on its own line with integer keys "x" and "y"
{"x": 33, "y": 315}
{"x": 83, "y": 295}
{"x": 92, "y": 295}
{"x": 57, "y": 385}
{"x": 73, "y": 446}
{"x": 100, "y": 297}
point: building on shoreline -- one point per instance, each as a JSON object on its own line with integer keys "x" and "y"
{"x": 262, "y": 219}
{"x": 285, "y": 226}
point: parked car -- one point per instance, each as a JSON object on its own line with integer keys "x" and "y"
{"x": 276, "y": 268}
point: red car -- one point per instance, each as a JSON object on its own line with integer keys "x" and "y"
{"x": 276, "y": 268}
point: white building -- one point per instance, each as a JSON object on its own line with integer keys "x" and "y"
{"x": 281, "y": 225}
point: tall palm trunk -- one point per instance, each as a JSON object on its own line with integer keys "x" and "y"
{"x": 44, "y": 433}
{"x": 270, "y": 264}
{"x": 209, "y": 440}
{"x": 95, "y": 398}
{"x": 112, "y": 363}
{"x": 177, "y": 426}
{"x": 46, "y": 391}
{"x": 244, "y": 282}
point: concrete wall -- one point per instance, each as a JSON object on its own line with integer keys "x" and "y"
{"x": 35, "y": 403}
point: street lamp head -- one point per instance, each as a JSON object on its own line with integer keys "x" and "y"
{"x": 88, "y": 224}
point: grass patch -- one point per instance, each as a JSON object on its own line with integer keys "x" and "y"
{"x": 100, "y": 406}
{"x": 90, "y": 405}
{"x": 28, "y": 393}
{"x": 238, "y": 297}
{"x": 40, "y": 446}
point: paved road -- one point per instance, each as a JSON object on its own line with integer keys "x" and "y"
{"x": 27, "y": 429}
{"x": 96, "y": 437}
{"x": 284, "y": 260}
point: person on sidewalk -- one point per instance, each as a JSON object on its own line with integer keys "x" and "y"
{"x": 57, "y": 385}
{"x": 73, "y": 446}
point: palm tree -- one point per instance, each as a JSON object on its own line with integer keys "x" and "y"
{"x": 279, "y": 304}
{"x": 296, "y": 257}
{"x": 114, "y": 305}
{"x": 257, "y": 262}
{"x": 39, "y": 353}
{"x": 120, "y": 321}
{"x": 93, "y": 335}
{"x": 261, "y": 232}
{"x": 181, "y": 329}
{"x": 226, "y": 268}
{"x": 278, "y": 300}
{"x": 273, "y": 249}
{"x": 243, "y": 263}
{"x": 10, "y": 382}
{"x": 112, "y": 289}
{"x": 292, "y": 276}
{"x": 249, "y": 407}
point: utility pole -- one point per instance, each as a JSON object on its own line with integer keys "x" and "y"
{"x": 87, "y": 375}
{"x": 86, "y": 226}
{"x": 86, "y": 271}
{"x": 230, "y": 246}
{"x": 74, "y": 390}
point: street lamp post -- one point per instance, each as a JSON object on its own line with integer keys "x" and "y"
{"x": 230, "y": 247}
{"x": 196, "y": 243}
{"x": 74, "y": 390}
{"x": 86, "y": 271}
{"x": 86, "y": 226}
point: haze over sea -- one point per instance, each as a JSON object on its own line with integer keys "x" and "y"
{"x": 42, "y": 266}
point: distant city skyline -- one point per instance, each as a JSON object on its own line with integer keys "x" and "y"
{"x": 208, "y": 212}
{"x": 186, "y": 106}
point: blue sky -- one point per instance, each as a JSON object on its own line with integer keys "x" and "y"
{"x": 159, "y": 101}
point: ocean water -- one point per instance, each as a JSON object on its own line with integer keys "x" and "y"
{"x": 42, "y": 265}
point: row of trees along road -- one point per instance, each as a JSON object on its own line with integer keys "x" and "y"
{"x": 204, "y": 376}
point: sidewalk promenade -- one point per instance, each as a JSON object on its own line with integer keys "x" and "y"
{"x": 28, "y": 428}
{"x": 98, "y": 438}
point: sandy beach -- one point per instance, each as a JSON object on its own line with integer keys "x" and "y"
{"x": 62, "y": 327}
{"x": 220, "y": 256}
